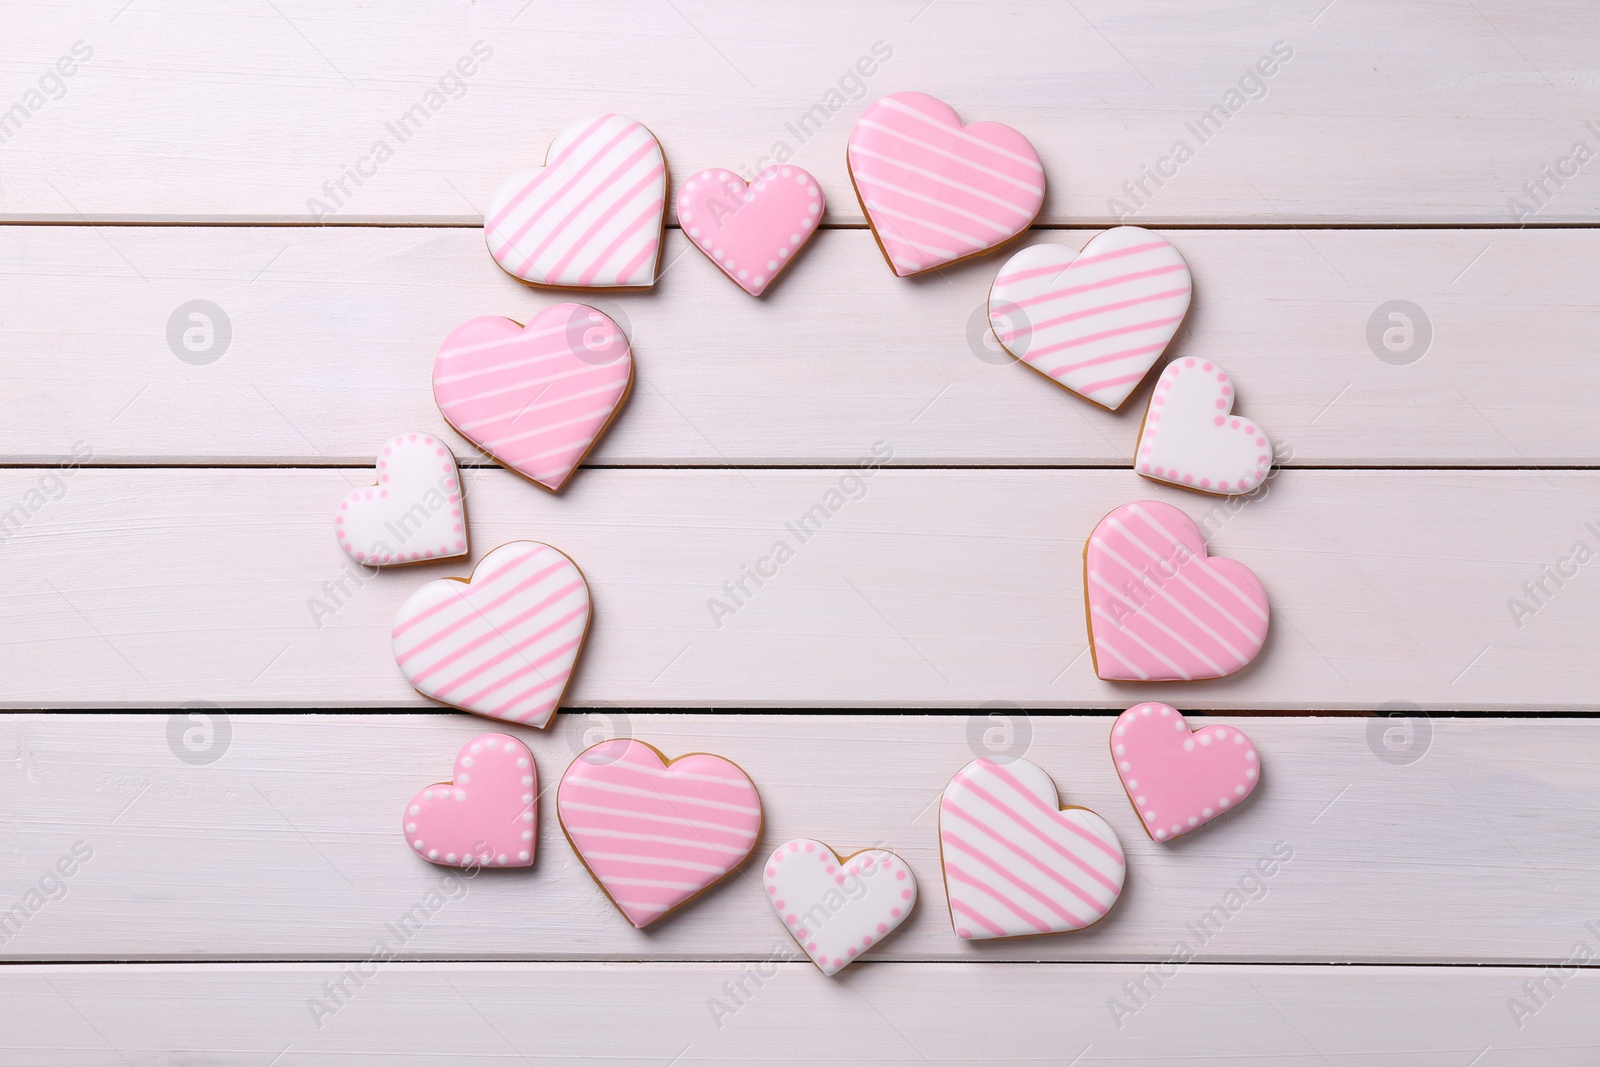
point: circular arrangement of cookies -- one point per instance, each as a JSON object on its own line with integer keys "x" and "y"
{"x": 503, "y": 641}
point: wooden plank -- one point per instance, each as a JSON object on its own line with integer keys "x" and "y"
{"x": 913, "y": 1014}
{"x": 333, "y": 334}
{"x": 928, "y": 589}
{"x": 254, "y": 114}
{"x": 1450, "y": 843}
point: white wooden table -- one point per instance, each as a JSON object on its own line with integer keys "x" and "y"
{"x": 166, "y": 538}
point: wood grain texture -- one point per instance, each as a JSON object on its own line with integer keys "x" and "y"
{"x": 890, "y": 1013}
{"x": 1369, "y": 840}
{"x": 1425, "y": 112}
{"x": 334, "y": 334}
{"x": 219, "y": 901}
{"x": 146, "y": 587}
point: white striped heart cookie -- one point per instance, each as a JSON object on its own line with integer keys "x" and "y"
{"x": 1015, "y": 861}
{"x": 535, "y": 398}
{"x": 655, "y": 832}
{"x": 502, "y": 643}
{"x": 935, "y": 191}
{"x": 1094, "y": 321}
{"x": 592, "y": 217}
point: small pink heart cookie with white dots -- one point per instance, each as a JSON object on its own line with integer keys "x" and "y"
{"x": 751, "y": 231}
{"x": 1177, "y": 778}
{"x": 486, "y": 816}
{"x": 837, "y": 907}
{"x": 1191, "y": 438}
{"x": 414, "y": 513}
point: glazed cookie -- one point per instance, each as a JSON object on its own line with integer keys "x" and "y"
{"x": 592, "y": 217}
{"x": 751, "y": 232}
{"x": 414, "y": 512}
{"x": 1094, "y": 321}
{"x": 656, "y": 833}
{"x": 838, "y": 907}
{"x": 1180, "y": 779}
{"x": 1159, "y": 608}
{"x": 502, "y": 643}
{"x": 486, "y": 816}
{"x": 935, "y": 191}
{"x": 535, "y": 398}
{"x": 1016, "y": 862}
{"x": 1191, "y": 438}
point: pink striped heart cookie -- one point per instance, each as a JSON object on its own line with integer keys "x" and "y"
{"x": 414, "y": 513}
{"x": 1159, "y": 608}
{"x": 654, "y": 832}
{"x": 936, "y": 191}
{"x": 1180, "y": 779}
{"x": 535, "y": 398}
{"x": 1016, "y": 863}
{"x": 1094, "y": 321}
{"x": 485, "y": 816}
{"x": 1191, "y": 437}
{"x": 837, "y": 907}
{"x": 502, "y": 643}
{"x": 592, "y": 217}
{"x": 751, "y": 232}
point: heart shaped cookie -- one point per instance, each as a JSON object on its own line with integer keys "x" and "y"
{"x": 751, "y": 232}
{"x": 1017, "y": 863}
{"x": 501, "y": 643}
{"x": 592, "y": 217}
{"x": 535, "y": 398}
{"x": 936, "y": 191}
{"x": 838, "y": 907}
{"x": 486, "y": 816}
{"x": 413, "y": 513}
{"x": 1094, "y": 321}
{"x": 1179, "y": 779}
{"x": 655, "y": 832}
{"x": 1191, "y": 438}
{"x": 1160, "y": 609}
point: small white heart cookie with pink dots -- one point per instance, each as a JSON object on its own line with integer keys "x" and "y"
{"x": 1191, "y": 438}
{"x": 414, "y": 513}
{"x": 837, "y": 907}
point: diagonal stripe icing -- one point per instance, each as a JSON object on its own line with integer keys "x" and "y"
{"x": 502, "y": 644}
{"x": 656, "y": 833}
{"x": 1094, "y": 321}
{"x": 936, "y": 191}
{"x": 534, "y": 398}
{"x": 592, "y": 217}
{"x": 486, "y": 815}
{"x": 1015, "y": 862}
{"x": 838, "y": 908}
{"x": 1160, "y": 608}
{"x": 1180, "y": 779}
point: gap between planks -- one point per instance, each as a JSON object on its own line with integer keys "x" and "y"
{"x": 286, "y": 815}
